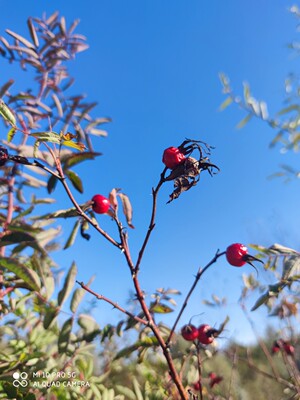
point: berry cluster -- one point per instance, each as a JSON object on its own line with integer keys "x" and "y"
{"x": 204, "y": 334}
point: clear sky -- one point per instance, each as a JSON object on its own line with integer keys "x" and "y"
{"x": 153, "y": 68}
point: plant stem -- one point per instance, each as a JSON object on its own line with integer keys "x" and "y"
{"x": 152, "y": 220}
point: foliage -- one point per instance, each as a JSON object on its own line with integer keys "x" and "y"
{"x": 50, "y": 348}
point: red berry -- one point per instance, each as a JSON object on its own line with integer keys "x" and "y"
{"x": 236, "y": 254}
{"x": 276, "y": 346}
{"x": 189, "y": 332}
{"x": 214, "y": 379}
{"x": 206, "y": 334}
{"x": 100, "y": 204}
{"x": 288, "y": 348}
{"x": 196, "y": 386}
{"x": 172, "y": 157}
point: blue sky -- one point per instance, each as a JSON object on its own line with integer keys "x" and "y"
{"x": 153, "y": 68}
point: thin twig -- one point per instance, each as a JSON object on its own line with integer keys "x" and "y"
{"x": 114, "y": 304}
{"x": 152, "y": 220}
{"x": 197, "y": 278}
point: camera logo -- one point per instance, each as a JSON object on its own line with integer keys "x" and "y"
{"x": 20, "y": 379}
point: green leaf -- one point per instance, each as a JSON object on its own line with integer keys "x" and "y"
{"x": 244, "y": 121}
{"x": 128, "y": 393}
{"x": 247, "y": 94}
{"x": 87, "y": 322}
{"x": 161, "y": 309}
{"x": 137, "y": 390}
{"x": 5, "y": 87}
{"x": 51, "y": 184}
{"x": 64, "y": 335}
{"x": 21, "y": 271}
{"x": 75, "y": 180}
{"x": 77, "y": 158}
{"x": 68, "y": 213}
{"x": 16, "y": 237}
{"x": 73, "y": 235}
{"x": 76, "y": 299}
{"x": 47, "y": 136}
{"x": 68, "y": 285}
{"x": 291, "y": 267}
{"x": 6, "y": 113}
{"x": 286, "y": 110}
{"x": 49, "y": 318}
{"x": 261, "y": 300}
{"x": 226, "y": 103}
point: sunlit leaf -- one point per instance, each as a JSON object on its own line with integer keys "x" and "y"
{"x": 6, "y": 113}
{"x": 20, "y": 39}
{"x": 226, "y": 103}
{"x": 11, "y": 134}
{"x": 161, "y": 309}
{"x": 244, "y": 121}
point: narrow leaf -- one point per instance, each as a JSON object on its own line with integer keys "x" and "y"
{"x": 51, "y": 184}
{"x": 127, "y": 209}
{"x": 77, "y": 158}
{"x": 20, "y": 39}
{"x": 26, "y": 274}
{"x": 64, "y": 335}
{"x": 50, "y": 317}
{"x": 6, "y": 113}
{"x": 5, "y": 87}
{"x": 73, "y": 235}
{"x": 226, "y": 103}
{"x": 32, "y": 32}
{"x": 58, "y": 104}
{"x": 11, "y": 134}
{"x": 76, "y": 299}
{"x": 75, "y": 180}
{"x": 244, "y": 121}
{"x": 68, "y": 285}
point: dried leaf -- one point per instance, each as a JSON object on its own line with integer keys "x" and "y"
{"x": 32, "y": 32}
{"x": 5, "y": 87}
{"x": 20, "y": 39}
{"x": 58, "y": 105}
{"x": 113, "y": 199}
{"x": 127, "y": 208}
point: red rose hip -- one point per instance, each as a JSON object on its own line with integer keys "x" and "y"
{"x": 100, "y": 204}
{"x": 189, "y": 332}
{"x": 236, "y": 254}
{"x": 172, "y": 157}
{"x": 206, "y": 334}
